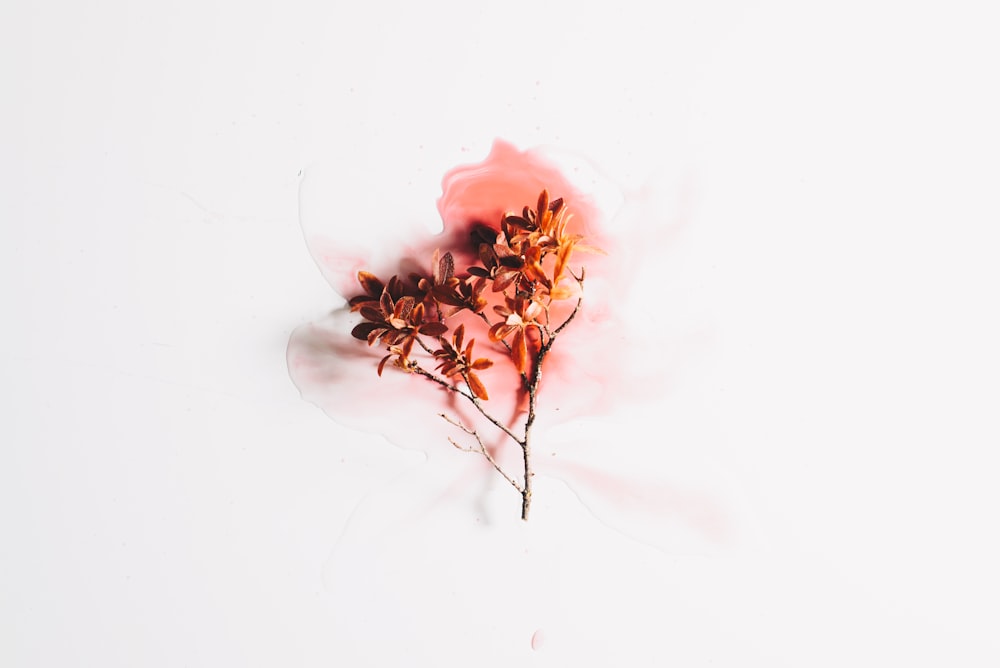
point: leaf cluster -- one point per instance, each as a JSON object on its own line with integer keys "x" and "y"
{"x": 525, "y": 265}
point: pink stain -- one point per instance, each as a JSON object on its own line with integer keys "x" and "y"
{"x": 337, "y": 372}
{"x": 537, "y": 639}
{"x": 603, "y": 359}
{"x": 666, "y": 505}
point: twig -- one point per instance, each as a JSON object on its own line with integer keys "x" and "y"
{"x": 579, "y": 301}
{"x": 416, "y": 368}
{"x": 483, "y": 450}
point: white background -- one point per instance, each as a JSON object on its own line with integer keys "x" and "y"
{"x": 167, "y": 499}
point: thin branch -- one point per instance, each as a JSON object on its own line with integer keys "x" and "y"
{"x": 416, "y": 368}
{"x": 475, "y": 400}
{"x": 483, "y": 450}
{"x": 576, "y": 310}
{"x": 424, "y": 345}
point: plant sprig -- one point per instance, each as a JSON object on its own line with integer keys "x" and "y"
{"x": 526, "y": 266}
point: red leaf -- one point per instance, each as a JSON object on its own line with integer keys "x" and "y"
{"x": 447, "y": 295}
{"x": 385, "y": 301}
{"x": 487, "y": 256}
{"x": 361, "y": 300}
{"x": 518, "y": 221}
{"x": 381, "y": 365}
{"x": 362, "y": 330}
{"x": 479, "y": 271}
{"x": 393, "y": 337}
{"x": 417, "y": 314}
{"x": 433, "y": 328}
{"x": 502, "y": 281}
{"x": 369, "y": 313}
{"x": 370, "y": 283}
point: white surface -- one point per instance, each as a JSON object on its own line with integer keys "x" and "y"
{"x": 167, "y": 499}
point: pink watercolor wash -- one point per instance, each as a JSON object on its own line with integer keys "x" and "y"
{"x": 337, "y": 372}
{"x": 595, "y": 367}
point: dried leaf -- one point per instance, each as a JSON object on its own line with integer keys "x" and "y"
{"x": 433, "y": 328}
{"x": 519, "y": 350}
{"x": 408, "y": 346}
{"x": 503, "y": 280}
{"x": 373, "y": 314}
{"x": 500, "y": 331}
{"x": 403, "y": 308}
{"x": 416, "y": 316}
{"x": 446, "y": 295}
{"x": 560, "y": 292}
{"x": 357, "y": 302}
{"x": 477, "y": 386}
{"x": 562, "y": 257}
{"x": 518, "y": 221}
{"x": 479, "y": 271}
{"x": 393, "y": 337}
{"x": 381, "y": 365}
{"x": 445, "y": 268}
{"x": 584, "y": 248}
{"x": 370, "y": 283}
{"x": 362, "y": 330}
{"x": 385, "y": 301}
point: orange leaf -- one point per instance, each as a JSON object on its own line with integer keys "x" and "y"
{"x": 500, "y": 331}
{"x": 519, "y": 351}
{"x": 381, "y": 365}
{"x": 477, "y": 386}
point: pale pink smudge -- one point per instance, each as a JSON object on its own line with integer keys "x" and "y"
{"x": 597, "y": 364}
